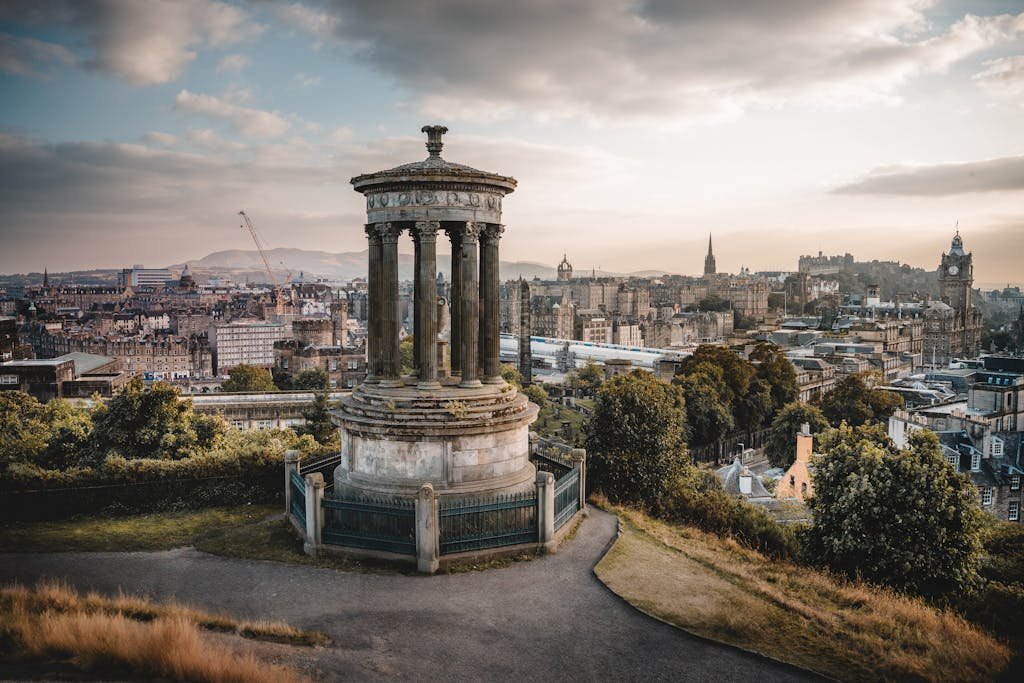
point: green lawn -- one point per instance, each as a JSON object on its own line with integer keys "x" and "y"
{"x": 255, "y": 532}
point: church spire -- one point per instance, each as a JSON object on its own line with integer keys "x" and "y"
{"x": 46, "y": 278}
{"x": 709, "y": 260}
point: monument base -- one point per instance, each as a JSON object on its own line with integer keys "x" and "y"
{"x": 463, "y": 441}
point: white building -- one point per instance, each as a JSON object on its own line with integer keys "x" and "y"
{"x": 244, "y": 343}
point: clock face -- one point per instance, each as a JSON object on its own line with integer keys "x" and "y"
{"x": 953, "y": 270}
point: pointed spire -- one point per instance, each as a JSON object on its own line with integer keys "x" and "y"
{"x": 46, "y": 277}
{"x": 710, "y": 253}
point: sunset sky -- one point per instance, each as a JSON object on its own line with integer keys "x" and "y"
{"x": 132, "y": 131}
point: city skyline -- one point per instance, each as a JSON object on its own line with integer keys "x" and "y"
{"x": 135, "y": 131}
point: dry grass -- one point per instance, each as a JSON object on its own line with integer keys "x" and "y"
{"x": 718, "y": 589}
{"x": 129, "y": 635}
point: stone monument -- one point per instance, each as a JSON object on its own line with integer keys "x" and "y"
{"x": 462, "y": 429}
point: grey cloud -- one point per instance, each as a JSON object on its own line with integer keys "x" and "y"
{"x": 23, "y": 56}
{"x": 144, "y": 42}
{"x": 649, "y": 60}
{"x": 989, "y": 175}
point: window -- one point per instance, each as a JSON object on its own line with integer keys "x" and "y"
{"x": 986, "y": 496}
{"x": 975, "y": 461}
{"x": 997, "y": 447}
{"x": 954, "y": 460}
{"x": 1014, "y": 513}
{"x": 1015, "y": 482}
{"x": 8, "y": 379}
{"x": 803, "y": 489}
{"x": 792, "y": 481}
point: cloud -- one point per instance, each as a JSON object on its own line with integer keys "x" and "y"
{"x": 144, "y": 42}
{"x": 24, "y": 56}
{"x": 208, "y": 139}
{"x": 232, "y": 63}
{"x": 1004, "y": 77}
{"x": 157, "y": 138}
{"x": 247, "y": 121}
{"x": 307, "y": 80}
{"x": 658, "y": 60}
{"x": 989, "y": 175}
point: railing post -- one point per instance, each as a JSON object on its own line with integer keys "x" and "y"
{"x": 532, "y": 440}
{"x": 428, "y": 541}
{"x": 291, "y": 464}
{"x": 546, "y": 511}
{"x": 314, "y": 513}
{"x": 579, "y": 456}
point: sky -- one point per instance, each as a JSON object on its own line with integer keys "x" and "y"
{"x": 133, "y": 131}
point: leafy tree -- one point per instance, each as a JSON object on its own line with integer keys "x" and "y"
{"x": 636, "y": 438}
{"x": 902, "y": 518}
{"x": 68, "y": 433}
{"x": 754, "y": 409}
{"x": 537, "y": 394}
{"x": 145, "y": 423}
{"x": 249, "y": 378}
{"x": 774, "y": 368}
{"x": 853, "y": 400}
{"x": 405, "y": 355}
{"x": 781, "y": 446}
{"x": 23, "y": 431}
{"x": 283, "y": 379}
{"x": 511, "y": 374}
{"x": 708, "y": 417}
{"x": 314, "y": 378}
{"x": 319, "y": 424}
{"x": 591, "y": 375}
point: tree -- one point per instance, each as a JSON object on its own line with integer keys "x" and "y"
{"x": 405, "y": 355}
{"x": 249, "y": 378}
{"x": 902, "y": 518}
{"x": 319, "y": 424}
{"x": 774, "y": 368}
{"x": 314, "y": 378}
{"x": 537, "y": 395}
{"x": 590, "y": 376}
{"x": 855, "y": 402}
{"x": 708, "y": 417}
{"x": 68, "y": 434}
{"x": 145, "y": 423}
{"x": 781, "y": 446}
{"x": 23, "y": 431}
{"x": 511, "y": 374}
{"x": 636, "y": 438}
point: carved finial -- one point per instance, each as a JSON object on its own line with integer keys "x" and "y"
{"x": 434, "y": 143}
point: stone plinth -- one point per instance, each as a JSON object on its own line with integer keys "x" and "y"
{"x": 462, "y": 441}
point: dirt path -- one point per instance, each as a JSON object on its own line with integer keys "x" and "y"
{"x": 549, "y": 618}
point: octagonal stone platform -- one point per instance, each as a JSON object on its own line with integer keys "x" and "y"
{"x": 463, "y": 441}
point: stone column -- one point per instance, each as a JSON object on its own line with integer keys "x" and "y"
{"x": 425, "y": 233}
{"x": 455, "y": 333}
{"x": 490, "y": 305}
{"x": 469, "y": 307}
{"x": 373, "y": 306}
{"x": 314, "y": 513}
{"x": 291, "y": 464}
{"x": 417, "y": 285}
{"x": 390, "y": 371}
{"x": 546, "y": 511}
{"x": 428, "y": 528}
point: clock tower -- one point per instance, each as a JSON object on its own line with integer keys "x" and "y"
{"x": 956, "y": 275}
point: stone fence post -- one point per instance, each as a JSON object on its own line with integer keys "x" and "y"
{"x": 314, "y": 513}
{"x": 291, "y": 464}
{"x": 579, "y": 456}
{"x": 546, "y": 511}
{"x": 532, "y": 441}
{"x": 428, "y": 543}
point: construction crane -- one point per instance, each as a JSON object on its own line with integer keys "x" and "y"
{"x": 279, "y": 307}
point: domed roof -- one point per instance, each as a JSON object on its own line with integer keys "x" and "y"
{"x": 433, "y": 169}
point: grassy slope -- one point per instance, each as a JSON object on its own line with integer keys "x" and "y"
{"x": 55, "y": 630}
{"x": 719, "y": 590}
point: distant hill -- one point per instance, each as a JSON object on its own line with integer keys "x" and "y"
{"x": 241, "y": 264}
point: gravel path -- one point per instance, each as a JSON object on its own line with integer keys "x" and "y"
{"x": 541, "y": 620}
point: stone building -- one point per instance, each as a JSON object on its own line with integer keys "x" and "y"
{"x": 797, "y": 481}
{"x": 345, "y": 367}
{"x": 953, "y": 325}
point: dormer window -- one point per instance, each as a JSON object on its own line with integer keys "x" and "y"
{"x": 997, "y": 447}
{"x": 954, "y": 460}
{"x": 975, "y": 461}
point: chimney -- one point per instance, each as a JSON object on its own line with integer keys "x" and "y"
{"x": 804, "y": 444}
